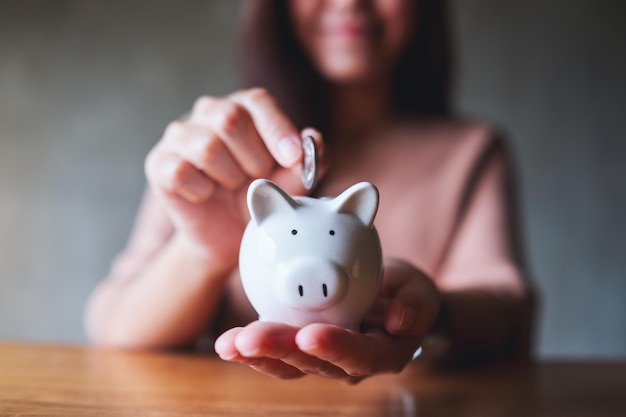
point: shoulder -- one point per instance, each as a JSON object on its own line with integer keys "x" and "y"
{"x": 457, "y": 135}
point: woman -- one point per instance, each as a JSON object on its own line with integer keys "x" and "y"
{"x": 373, "y": 76}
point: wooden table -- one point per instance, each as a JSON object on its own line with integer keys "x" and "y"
{"x": 73, "y": 381}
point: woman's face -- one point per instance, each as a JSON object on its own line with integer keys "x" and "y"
{"x": 353, "y": 41}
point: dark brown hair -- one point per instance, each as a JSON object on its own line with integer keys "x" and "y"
{"x": 271, "y": 57}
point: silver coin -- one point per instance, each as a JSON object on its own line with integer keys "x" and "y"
{"x": 309, "y": 163}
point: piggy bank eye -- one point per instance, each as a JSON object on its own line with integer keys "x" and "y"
{"x": 332, "y": 233}
{"x": 294, "y": 232}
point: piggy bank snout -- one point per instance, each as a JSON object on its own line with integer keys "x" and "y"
{"x": 311, "y": 283}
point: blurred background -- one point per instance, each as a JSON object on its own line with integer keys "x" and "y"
{"x": 87, "y": 87}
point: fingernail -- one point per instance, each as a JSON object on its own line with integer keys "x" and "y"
{"x": 247, "y": 349}
{"x": 289, "y": 149}
{"x": 406, "y": 319}
{"x": 306, "y": 342}
{"x": 223, "y": 351}
{"x": 307, "y": 345}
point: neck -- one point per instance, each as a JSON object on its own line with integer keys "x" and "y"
{"x": 359, "y": 108}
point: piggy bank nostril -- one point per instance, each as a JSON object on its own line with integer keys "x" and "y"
{"x": 324, "y": 290}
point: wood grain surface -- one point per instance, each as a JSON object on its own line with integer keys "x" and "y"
{"x": 45, "y": 380}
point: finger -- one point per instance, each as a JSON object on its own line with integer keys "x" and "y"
{"x": 402, "y": 319}
{"x": 204, "y": 149}
{"x": 414, "y": 300}
{"x": 232, "y": 123}
{"x": 290, "y": 179}
{"x": 397, "y": 277}
{"x": 257, "y": 338}
{"x": 277, "y": 341}
{"x": 280, "y": 135}
{"x": 225, "y": 348}
{"x": 170, "y": 174}
{"x": 225, "y": 344}
{"x": 357, "y": 354}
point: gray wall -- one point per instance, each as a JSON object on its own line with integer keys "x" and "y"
{"x": 87, "y": 87}
{"x": 552, "y": 72}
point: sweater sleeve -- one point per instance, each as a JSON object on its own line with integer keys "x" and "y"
{"x": 484, "y": 258}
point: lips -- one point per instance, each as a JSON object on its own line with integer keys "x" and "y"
{"x": 349, "y": 29}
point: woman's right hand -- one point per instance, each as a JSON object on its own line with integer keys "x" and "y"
{"x": 201, "y": 167}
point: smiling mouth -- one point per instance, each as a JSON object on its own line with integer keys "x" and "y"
{"x": 350, "y": 29}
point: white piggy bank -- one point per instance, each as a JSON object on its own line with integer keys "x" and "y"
{"x": 305, "y": 260}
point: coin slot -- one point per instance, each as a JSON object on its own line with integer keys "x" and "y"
{"x": 325, "y": 290}
{"x": 300, "y": 290}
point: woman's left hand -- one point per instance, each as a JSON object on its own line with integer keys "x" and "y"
{"x": 404, "y": 312}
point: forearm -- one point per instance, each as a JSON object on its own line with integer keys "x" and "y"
{"x": 169, "y": 303}
{"x": 487, "y": 324}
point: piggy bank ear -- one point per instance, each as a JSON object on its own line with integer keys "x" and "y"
{"x": 361, "y": 200}
{"x": 265, "y": 198}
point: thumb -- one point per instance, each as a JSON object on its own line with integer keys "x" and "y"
{"x": 405, "y": 318}
{"x": 414, "y": 300}
{"x": 290, "y": 179}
